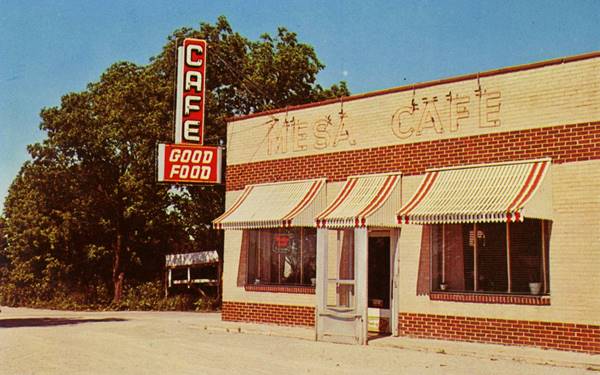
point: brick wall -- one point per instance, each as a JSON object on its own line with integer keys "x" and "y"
{"x": 564, "y": 143}
{"x": 549, "y": 335}
{"x": 268, "y": 313}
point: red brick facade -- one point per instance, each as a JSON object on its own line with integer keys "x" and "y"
{"x": 268, "y": 313}
{"x": 549, "y": 335}
{"x": 564, "y": 143}
{"x": 560, "y": 336}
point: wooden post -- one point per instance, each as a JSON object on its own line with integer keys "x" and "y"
{"x": 189, "y": 277}
{"x": 395, "y": 251}
{"x": 361, "y": 256}
{"x": 167, "y": 282}
{"x": 508, "y": 268}
{"x": 475, "y": 270}
{"x": 321, "y": 273}
{"x": 219, "y": 278}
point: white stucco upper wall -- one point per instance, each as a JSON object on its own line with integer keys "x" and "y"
{"x": 557, "y": 94}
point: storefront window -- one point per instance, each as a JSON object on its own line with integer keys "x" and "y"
{"x": 282, "y": 256}
{"x": 491, "y": 257}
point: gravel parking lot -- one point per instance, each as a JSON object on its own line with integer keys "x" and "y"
{"x": 53, "y": 342}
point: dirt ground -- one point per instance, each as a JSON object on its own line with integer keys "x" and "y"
{"x": 56, "y": 342}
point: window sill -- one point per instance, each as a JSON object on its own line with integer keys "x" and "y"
{"x": 295, "y": 289}
{"x": 506, "y": 299}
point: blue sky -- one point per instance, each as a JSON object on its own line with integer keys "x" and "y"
{"x": 50, "y": 48}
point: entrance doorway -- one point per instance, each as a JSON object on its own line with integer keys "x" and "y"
{"x": 379, "y": 271}
{"x": 354, "y": 288}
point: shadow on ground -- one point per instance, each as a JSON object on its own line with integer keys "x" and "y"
{"x": 48, "y": 322}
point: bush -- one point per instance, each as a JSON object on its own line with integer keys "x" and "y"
{"x": 150, "y": 296}
{"x": 143, "y": 297}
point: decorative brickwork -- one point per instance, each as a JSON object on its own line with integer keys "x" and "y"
{"x": 548, "y": 335}
{"x": 490, "y": 298}
{"x": 296, "y": 289}
{"x": 564, "y": 143}
{"x": 268, "y": 313}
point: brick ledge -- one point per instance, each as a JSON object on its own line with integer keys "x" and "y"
{"x": 490, "y": 298}
{"x": 295, "y": 289}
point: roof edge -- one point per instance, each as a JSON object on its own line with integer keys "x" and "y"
{"x": 420, "y": 85}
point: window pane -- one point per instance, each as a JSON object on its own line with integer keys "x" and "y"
{"x": 491, "y": 256}
{"x": 345, "y": 292}
{"x": 468, "y": 246}
{"x": 453, "y": 257}
{"x": 265, "y": 274}
{"x": 309, "y": 256}
{"x": 437, "y": 253}
{"x": 525, "y": 254}
{"x": 252, "y": 251}
{"x": 346, "y": 257}
{"x": 282, "y": 256}
{"x": 285, "y": 256}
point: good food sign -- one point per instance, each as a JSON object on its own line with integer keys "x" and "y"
{"x": 189, "y": 163}
{"x": 188, "y": 160}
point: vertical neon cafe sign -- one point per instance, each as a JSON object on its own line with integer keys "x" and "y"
{"x": 188, "y": 160}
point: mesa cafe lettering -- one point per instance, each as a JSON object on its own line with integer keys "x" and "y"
{"x": 187, "y": 163}
{"x": 412, "y": 119}
{"x": 439, "y": 115}
{"x": 191, "y": 73}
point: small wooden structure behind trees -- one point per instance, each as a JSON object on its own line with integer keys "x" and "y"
{"x": 200, "y": 270}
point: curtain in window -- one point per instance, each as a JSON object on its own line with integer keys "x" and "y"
{"x": 265, "y": 244}
{"x": 243, "y": 261}
{"x": 309, "y": 261}
{"x": 455, "y": 257}
{"x": 423, "y": 278}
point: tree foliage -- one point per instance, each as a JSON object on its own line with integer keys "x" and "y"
{"x": 85, "y": 213}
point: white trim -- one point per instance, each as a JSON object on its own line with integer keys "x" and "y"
{"x": 179, "y": 96}
{"x": 161, "y": 162}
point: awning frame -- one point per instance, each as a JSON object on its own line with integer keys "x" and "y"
{"x": 389, "y": 188}
{"x": 315, "y": 195}
{"x": 513, "y": 211}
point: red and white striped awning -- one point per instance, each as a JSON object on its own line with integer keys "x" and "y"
{"x": 283, "y": 204}
{"x": 478, "y": 193}
{"x": 369, "y": 200}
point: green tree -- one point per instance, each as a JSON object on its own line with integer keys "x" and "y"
{"x": 87, "y": 206}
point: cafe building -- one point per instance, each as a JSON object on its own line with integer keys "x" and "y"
{"x": 464, "y": 209}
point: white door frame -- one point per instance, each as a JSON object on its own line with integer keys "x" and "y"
{"x": 395, "y": 277}
{"x": 342, "y": 324}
